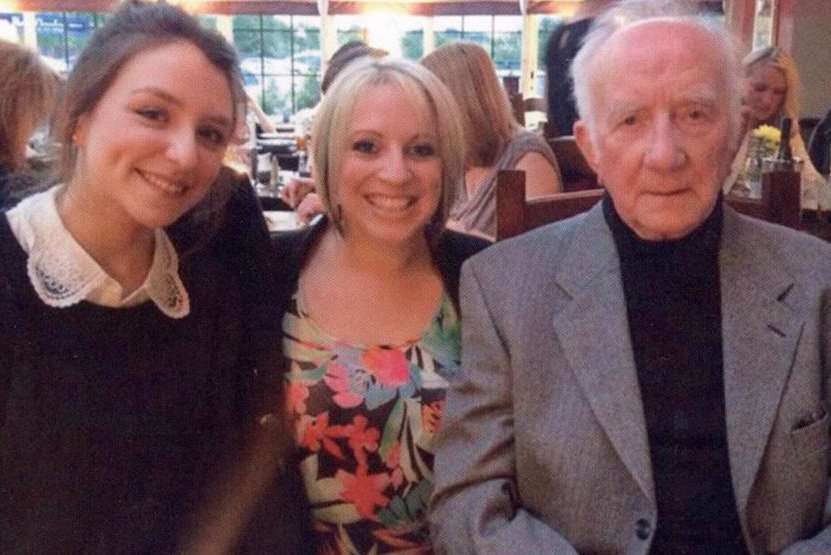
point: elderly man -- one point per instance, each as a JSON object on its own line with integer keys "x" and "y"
{"x": 651, "y": 376}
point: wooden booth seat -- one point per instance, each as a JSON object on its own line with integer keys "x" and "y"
{"x": 514, "y": 215}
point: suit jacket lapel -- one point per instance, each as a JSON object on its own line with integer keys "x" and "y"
{"x": 760, "y": 336}
{"x": 593, "y": 329}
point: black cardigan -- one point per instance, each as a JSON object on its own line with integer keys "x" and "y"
{"x": 292, "y": 249}
{"x": 112, "y": 420}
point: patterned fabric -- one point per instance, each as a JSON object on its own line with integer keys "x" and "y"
{"x": 366, "y": 419}
{"x": 64, "y": 274}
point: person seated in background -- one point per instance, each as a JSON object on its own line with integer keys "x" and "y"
{"x": 651, "y": 376}
{"x": 493, "y": 139}
{"x": 28, "y": 91}
{"x": 770, "y": 91}
{"x": 369, "y": 295}
{"x": 299, "y": 191}
{"x": 133, "y": 312}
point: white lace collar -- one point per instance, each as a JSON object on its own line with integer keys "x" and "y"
{"x": 63, "y": 273}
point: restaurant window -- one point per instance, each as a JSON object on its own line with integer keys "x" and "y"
{"x": 208, "y": 21}
{"x": 11, "y": 27}
{"x": 280, "y": 59}
{"x": 350, "y": 28}
{"x": 499, "y": 35}
{"x": 62, "y": 35}
{"x": 547, "y": 25}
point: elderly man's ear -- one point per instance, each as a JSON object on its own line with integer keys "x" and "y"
{"x": 583, "y": 139}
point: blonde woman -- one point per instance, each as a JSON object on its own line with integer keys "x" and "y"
{"x": 28, "y": 88}
{"x": 370, "y": 299}
{"x": 771, "y": 92}
{"x": 493, "y": 139}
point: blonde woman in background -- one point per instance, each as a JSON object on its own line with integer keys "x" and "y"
{"x": 493, "y": 139}
{"x": 771, "y": 92}
{"x": 28, "y": 88}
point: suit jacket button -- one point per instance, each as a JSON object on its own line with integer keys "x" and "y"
{"x": 642, "y": 529}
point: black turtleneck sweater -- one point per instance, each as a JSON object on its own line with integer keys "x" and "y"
{"x": 673, "y": 303}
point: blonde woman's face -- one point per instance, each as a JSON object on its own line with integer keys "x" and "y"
{"x": 764, "y": 92}
{"x": 388, "y": 185}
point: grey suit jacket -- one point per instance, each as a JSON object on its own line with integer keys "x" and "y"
{"x": 544, "y": 447}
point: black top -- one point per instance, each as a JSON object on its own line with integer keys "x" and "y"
{"x": 673, "y": 303}
{"x": 113, "y": 422}
{"x": 293, "y": 248}
{"x": 819, "y": 147}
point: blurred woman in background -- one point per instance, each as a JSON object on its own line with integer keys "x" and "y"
{"x": 28, "y": 90}
{"x": 493, "y": 139}
{"x": 771, "y": 92}
{"x": 370, "y": 299}
{"x": 132, "y": 309}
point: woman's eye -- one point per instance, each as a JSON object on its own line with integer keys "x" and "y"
{"x": 153, "y": 114}
{"x": 424, "y": 150}
{"x": 213, "y": 136}
{"x": 364, "y": 146}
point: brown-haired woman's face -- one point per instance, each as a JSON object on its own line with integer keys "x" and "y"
{"x": 764, "y": 91}
{"x": 154, "y": 143}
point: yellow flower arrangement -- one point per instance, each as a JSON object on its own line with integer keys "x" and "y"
{"x": 769, "y": 136}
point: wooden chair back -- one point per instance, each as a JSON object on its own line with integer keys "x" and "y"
{"x": 515, "y": 215}
{"x": 575, "y": 170}
{"x": 780, "y": 203}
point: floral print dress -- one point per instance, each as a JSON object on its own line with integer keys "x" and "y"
{"x": 366, "y": 419}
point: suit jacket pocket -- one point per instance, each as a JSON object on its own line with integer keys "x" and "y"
{"x": 812, "y": 437}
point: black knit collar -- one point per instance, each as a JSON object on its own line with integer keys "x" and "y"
{"x": 702, "y": 241}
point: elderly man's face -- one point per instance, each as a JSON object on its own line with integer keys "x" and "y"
{"x": 658, "y": 136}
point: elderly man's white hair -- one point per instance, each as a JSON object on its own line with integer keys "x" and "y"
{"x": 633, "y": 12}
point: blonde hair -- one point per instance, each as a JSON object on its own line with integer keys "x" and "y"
{"x": 488, "y": 121}
{"x": 781, "y": 60}
{"x": 28, "y": 89}
{"x": 429, "y": 97}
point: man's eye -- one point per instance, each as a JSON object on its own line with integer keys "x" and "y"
{"x": 695, "y": 115}
{"x": 424, "y": 150}
{"x": 630, "y": 120}
{"x": 367, "y": 147}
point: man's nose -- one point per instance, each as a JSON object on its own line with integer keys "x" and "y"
{"x": 665, "y": 150}
{"x": 395, "y": 166}
{"x": 182, "y": 148}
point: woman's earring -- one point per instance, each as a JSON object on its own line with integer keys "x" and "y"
{"x": 337, "y": 217}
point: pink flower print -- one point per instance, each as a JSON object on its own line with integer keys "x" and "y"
{"x": 388, "y": 366}
{"x": 363, "y": 490}
{"x": 361, "y": 439}
{"x": 337, "y": 378}
{"x": 297, "y": 394}
{"x": 316, "y": 433}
